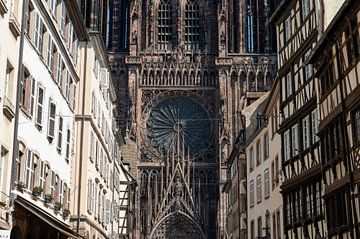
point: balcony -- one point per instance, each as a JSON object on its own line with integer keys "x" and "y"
{"x": 3, "y": 7}
{"x": 8, "y": 108}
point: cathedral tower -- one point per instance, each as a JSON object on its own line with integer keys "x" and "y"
{"x": 185, "y": 69}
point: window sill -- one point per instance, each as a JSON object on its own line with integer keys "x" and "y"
{"x": 50, "y": 138}
{"x": 3, "y": 8}
{"x": 38, "y": 126}
{"x": 8, "y": 108}
{"x": 25, "y": 112}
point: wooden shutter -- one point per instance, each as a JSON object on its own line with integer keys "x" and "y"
{"x": 54, "y": 64}
{"x": 27, "y": 86}
{"x": 45, "y": 44}
{"x": 89, "y": 192}
{"x": 32, "y": 25}
{"x": 57, "y": 188}
{"x": 65, "y": 74}
{"x": 65, "y": 193}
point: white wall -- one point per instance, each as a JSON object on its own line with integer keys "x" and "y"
{"x": 37, "y": 139}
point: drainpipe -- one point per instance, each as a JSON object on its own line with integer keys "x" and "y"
{"x": 15, "y": 152}
{"x": 81, "y": 140}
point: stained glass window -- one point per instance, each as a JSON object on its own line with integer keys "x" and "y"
{"x": 178, "y": 122}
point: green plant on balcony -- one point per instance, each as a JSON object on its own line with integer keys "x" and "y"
{"x": 37, "y": 191}
{"x": 57, "y": 206}
{"x": 48, "y": 198}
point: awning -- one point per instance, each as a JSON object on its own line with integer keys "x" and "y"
{"x": 47, "y": 218}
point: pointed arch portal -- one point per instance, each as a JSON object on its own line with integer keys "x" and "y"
{"x": 177, "y": 225}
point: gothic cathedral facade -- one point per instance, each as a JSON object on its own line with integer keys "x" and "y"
{"x": 185, "y": 69}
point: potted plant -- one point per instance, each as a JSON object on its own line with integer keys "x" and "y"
{"x": 20, "y": 185}
{"x": 48, "y": 198}
{"x": 66, "y": 213}
{"x": 57, "y": 206}
{"x": 37, "y": 191}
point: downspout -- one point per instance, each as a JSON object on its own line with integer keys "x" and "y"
{"x": 15, "y": 152}
{"x": 81, "y": 140}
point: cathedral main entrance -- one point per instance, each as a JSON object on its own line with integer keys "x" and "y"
{"x": 177, "y": 226}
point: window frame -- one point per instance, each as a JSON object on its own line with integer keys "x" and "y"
{"x": 288, "y": 28}
{"x": 306, "y": 132}
{"x": 38, "y": 32}
{"x": 294, "y": 140}
{"x": 266, "y": 146}
{"x": 192, "y": 26}
{"x": 355, "y": 117}
{"x": 68, "y": 144}
{"x": 305, "y": 9}
{"x": 266, "y": 183}
{"x": 29, "y": 170}
{"x": 258, "y": 189}
{"x": 251, "y": 158}
{"x": 252, "y": 193}
{"x": 314, "y": 126}
{"x": 51, "y": 120}
{"x": 40, "y": 106}
{"x": 287, "y": 146}
{"x": 60, "y": 133}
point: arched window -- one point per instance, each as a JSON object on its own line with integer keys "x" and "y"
{"x": 165, "y": 26}
{"x": 251, "y": 82}
{"x": 269, "y": 81}
{"x": 260, "y": 81}
{"x": 243, "y": 86}
{"x": 192, "y": 26}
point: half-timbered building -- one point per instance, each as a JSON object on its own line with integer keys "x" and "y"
{"x": 337, "y": 62}
{"x": 302, "y": 189}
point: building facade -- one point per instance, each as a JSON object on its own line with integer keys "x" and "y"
{"x": 258, "y": 186}
{"x": 302, "y": 188}
{"x": 97, "y": 166}
{"x": 264, "y": 177}
{"x": 235, "y": 188}
{"x": 41, "y": 180}
{"x": 336, "y": 59}
{"x": 275, "y": 225}
{"x": 187, "y": 68}
{"x": 10, "y": 16}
